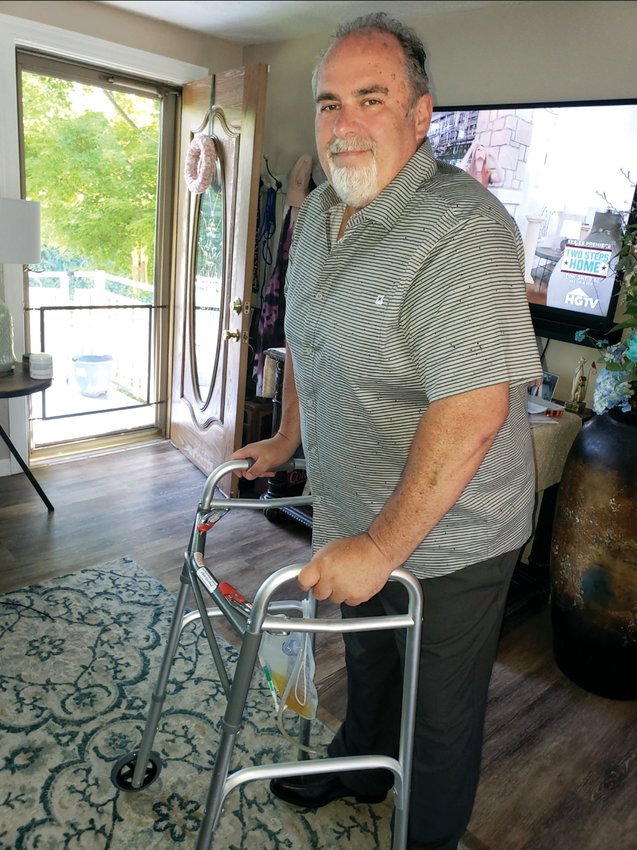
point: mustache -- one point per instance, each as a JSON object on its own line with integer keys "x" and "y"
{"x": 346, "y": 145}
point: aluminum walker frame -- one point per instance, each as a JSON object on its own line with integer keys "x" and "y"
{"x": 138, "y": 769}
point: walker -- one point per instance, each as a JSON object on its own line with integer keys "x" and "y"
{"x": 138, "y": 769}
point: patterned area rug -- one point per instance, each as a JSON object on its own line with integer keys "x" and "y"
{"x": 78, "y": 659}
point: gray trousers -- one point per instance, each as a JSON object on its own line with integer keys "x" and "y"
{"x": 462, "y": 618}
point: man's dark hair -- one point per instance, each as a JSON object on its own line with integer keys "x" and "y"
{"x": 413, "y": 49}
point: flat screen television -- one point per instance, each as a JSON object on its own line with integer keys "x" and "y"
{"x": 566, "y": 173}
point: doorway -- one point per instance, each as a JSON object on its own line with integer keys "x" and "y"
{"x": 97, "y": 154}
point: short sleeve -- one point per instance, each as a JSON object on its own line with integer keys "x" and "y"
{"x": 466, "y": 317}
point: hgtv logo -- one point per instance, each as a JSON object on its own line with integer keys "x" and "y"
{"x": 578, "y": 298}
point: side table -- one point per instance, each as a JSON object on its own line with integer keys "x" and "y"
{"x": 16, "y": 385}
{"x": 530, "y": 584}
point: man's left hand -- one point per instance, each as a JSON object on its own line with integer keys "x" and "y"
{"x": 349, "y": 570}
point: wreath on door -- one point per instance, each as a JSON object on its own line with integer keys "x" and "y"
{"x": 200, "y": 163}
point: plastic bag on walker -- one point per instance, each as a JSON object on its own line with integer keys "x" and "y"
{"x": 288, "y": 663}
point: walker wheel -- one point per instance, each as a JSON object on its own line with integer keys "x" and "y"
{"x": 124, "y": 768}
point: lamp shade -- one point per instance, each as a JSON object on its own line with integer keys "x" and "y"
{"x": 19, "y": 231}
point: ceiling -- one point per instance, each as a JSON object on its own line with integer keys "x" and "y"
{"x": 262, "y": 21}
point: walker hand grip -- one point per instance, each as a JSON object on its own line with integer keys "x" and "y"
{"x": 275, "y": 581}
{"x": 242, "y": 464}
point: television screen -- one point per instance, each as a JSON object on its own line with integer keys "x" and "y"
{"x": 566, "y": 173}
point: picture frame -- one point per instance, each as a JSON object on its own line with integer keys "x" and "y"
{"x": 545, "y": 390}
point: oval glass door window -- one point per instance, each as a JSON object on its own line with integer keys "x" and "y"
{"x": 208, "y": 294}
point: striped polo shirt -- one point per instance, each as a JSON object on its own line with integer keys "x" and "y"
{"x": 421, "y": 299}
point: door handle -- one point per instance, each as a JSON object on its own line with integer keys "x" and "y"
{"x": 227, "y": 334}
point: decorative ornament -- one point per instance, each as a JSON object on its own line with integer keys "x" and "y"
{"x": 200, "y": 163}
{"x": 578, "y": 388}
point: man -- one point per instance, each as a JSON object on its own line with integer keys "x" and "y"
{"x": 409, "y": 351}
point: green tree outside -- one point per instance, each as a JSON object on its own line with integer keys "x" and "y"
{"x": 91, "y": 160}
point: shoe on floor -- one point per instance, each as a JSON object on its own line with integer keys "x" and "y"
{"x": 314, "y": 791}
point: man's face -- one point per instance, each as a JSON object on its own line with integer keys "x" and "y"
{"x": 365, "y": 129}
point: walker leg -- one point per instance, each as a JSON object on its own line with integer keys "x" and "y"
{"x": 215, "y": 798}
{"x": 230, "y": 727}
{"x": 159, "y": 694}
{"x": 305, "y": 725}
{"x": 400, "y": 816}
{"x": 402, "y": 784}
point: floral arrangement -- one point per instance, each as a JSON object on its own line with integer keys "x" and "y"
{"x": 616, "y": 384}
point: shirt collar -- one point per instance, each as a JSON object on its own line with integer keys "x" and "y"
{"x": 388, "y": 205}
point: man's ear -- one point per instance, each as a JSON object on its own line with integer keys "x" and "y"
{"x": 422, "y": 112}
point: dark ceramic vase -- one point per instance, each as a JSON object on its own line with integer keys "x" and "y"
{"x": 594, "y": 559}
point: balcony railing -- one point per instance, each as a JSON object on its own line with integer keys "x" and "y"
{"x": 100, "y": 330}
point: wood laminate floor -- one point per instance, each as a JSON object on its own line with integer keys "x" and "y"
{"x": 559, "y": 763}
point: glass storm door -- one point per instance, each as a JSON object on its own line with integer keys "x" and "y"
{"x": 95, "y": 157}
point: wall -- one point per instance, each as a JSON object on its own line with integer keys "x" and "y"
{"x": 520, "y": 52}
{"x": 111, "y": 24}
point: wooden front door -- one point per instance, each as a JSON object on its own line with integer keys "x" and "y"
{"x": 215, "y": 267}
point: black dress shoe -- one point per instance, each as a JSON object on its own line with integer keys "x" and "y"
{"x": 319, "y": 789}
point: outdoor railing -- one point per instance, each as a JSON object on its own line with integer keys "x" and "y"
{"x": 86, "y": 320}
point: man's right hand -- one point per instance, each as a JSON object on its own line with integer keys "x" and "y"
{"x": 267, "y": 455}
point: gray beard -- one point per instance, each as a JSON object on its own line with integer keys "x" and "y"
{"x": 356, "y": 187}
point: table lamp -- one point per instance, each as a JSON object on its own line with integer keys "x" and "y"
{"x": 20, "y": 244}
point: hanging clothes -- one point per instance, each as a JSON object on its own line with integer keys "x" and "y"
{"x": 270, "y": 333}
